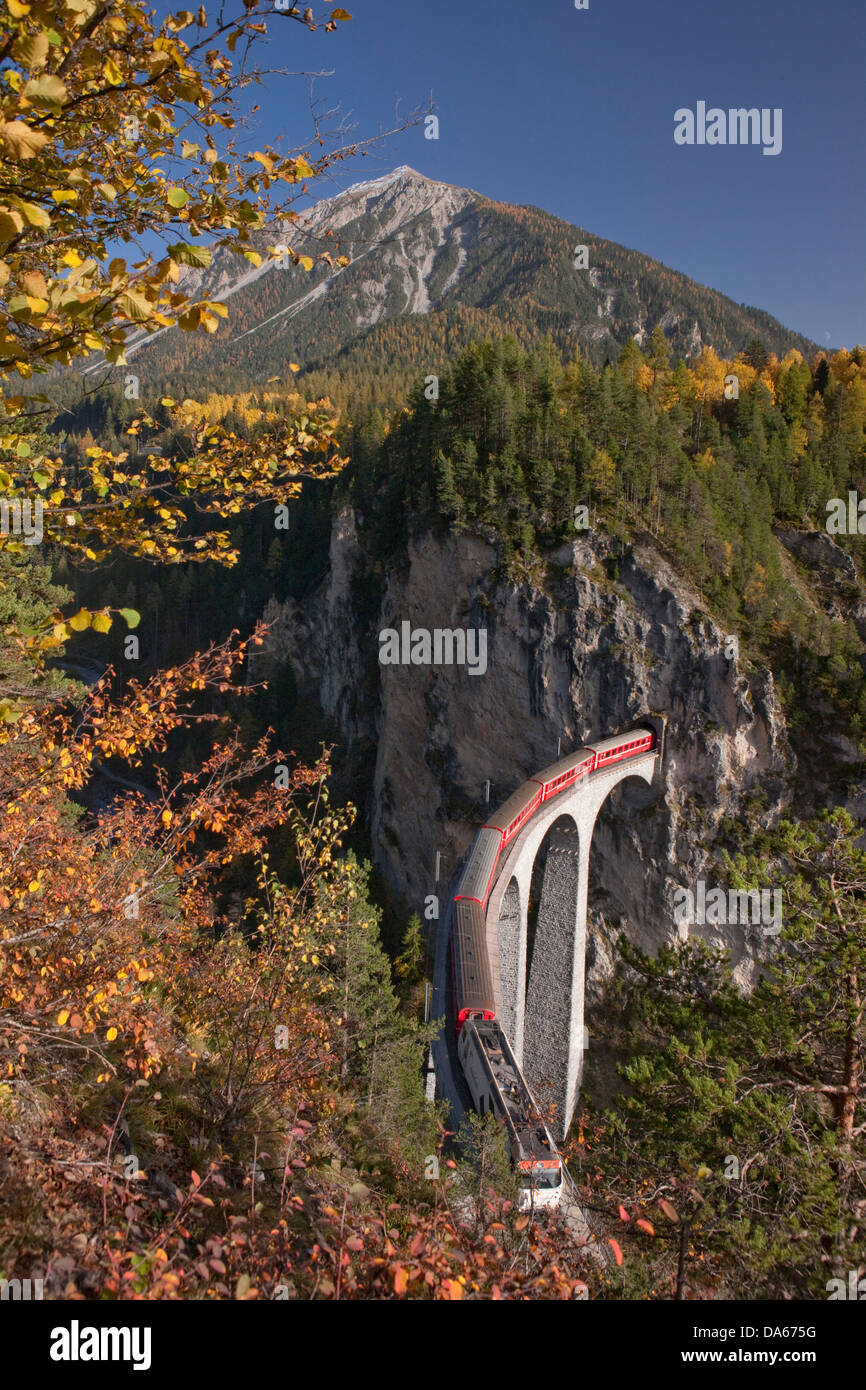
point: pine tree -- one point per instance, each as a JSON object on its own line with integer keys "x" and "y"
{"x": 659, "y": 356}
{"x": 748, "y": 1109}
{"x": 448, "y": 499}
{"x": 409, "y": 965}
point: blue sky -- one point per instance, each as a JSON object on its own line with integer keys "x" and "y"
{"x": 573, "y": 111}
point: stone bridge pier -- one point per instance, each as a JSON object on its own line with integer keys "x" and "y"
{"x": 545, "y": 1020}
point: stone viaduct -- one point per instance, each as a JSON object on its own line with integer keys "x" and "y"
{"x": 545, "y": 1022}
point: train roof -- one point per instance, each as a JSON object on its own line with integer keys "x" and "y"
{"x": 471, "y": 965}
{"x": 523, "y": 1117}
{"x": 475, "y": 878}
{"x": 549, "y": 774}
{"x": 604, "y": 745}
{"x": 510, "y": 809}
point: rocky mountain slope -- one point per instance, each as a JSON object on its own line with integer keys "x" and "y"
{"x": 419, "y": 248}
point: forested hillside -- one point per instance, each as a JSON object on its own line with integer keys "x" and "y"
{"x": 518, "y": 443}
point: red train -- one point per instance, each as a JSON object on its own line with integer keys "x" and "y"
{"x": 473, "y": 986}
{"x": 491, "y": 1071}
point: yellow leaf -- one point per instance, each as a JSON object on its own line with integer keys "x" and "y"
{"x": 72, "y": 258}
{"x": 166, "y": 817}
{"x": 23, "y": 142}
{"x": 36, "y": 216}
{"x": 111, "y": 1035}
{"x": 33, "y": 283}
{"x": 11, "y": 223}
{"x": 62, "y": 1017}
{"x": 47, "y": 90}
{"x": 31, "y": 50}
{"x": 64, "y": 195}
{"x": 306, "y": 262}
{"x": 112, "y": 72}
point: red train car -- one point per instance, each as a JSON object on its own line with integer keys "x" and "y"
{"x": 565, "y": 773}
{"x": 614, "y": 750}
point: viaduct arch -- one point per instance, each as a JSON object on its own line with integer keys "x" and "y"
{"x": 544, "y": 1021}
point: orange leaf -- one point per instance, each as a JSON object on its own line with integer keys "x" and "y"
{"x": 455, "y": 1290}
{"x": 617, "y": 1253}
{"x": 646, "y": 1226}
{"x": 670, "y": 1212}
{"x": 401, "y": 1280}
{"x": 623, "y": 1214}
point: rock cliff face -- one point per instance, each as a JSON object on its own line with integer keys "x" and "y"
{"x": 595, "y": 645}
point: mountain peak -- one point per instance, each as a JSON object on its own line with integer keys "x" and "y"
{"x": 419, "y": 247}
{"x": 401, "y": 171}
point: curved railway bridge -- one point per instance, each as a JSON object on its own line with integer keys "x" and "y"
{"x": 542, "y": 1015}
